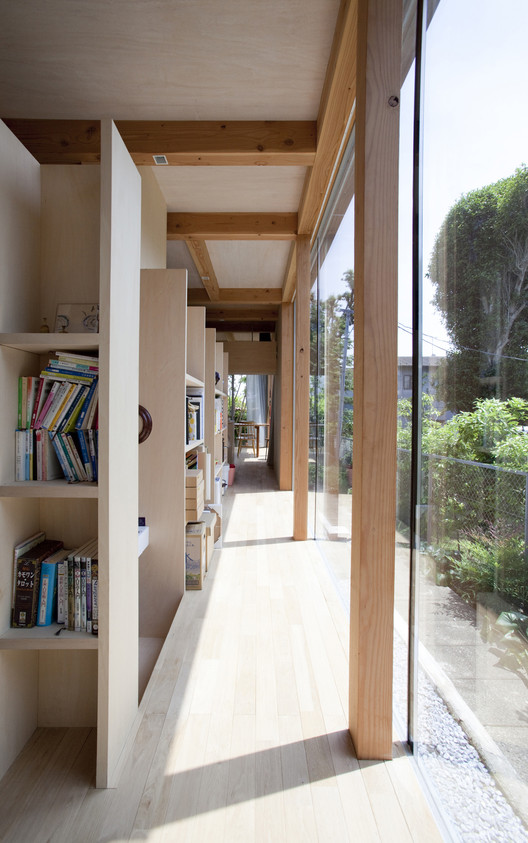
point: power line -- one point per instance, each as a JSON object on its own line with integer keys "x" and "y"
{"x": 428, "y": 338}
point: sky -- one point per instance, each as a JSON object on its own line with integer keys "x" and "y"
{"x": 475, "y": 132}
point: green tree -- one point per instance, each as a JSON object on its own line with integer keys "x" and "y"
{"x": 479, "y": 268}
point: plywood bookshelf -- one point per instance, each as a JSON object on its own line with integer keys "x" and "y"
{"x": 72, "y": 233}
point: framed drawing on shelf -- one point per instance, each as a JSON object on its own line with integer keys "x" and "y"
{"x": 77, "y": 319}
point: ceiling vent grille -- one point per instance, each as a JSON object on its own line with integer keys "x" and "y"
{"x": 160, "y": 159}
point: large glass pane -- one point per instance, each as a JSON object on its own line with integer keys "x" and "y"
{"x": 405, "y": 376}
{"x": 473, "y": 578}
{"x": 332, "y": 376}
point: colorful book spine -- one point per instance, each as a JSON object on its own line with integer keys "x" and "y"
{"x": 38, "y": 402}
{"x": 64, "y": 464}
{"x": 85, "y": 455}
{"x": 47, "y": 403}
{"x": 62, "y": 592}
{"x": 20, "y": 455}
{"x": 27, "y": 586}
{"x": 92, "y": 396}
{"x": 20, "y": 550}
{"x": 67, "y": 423}
{"x": 32, "y": 390}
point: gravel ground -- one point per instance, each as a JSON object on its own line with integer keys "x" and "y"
{"x": 466, "y": 792}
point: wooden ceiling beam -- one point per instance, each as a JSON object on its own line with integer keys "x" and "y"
{"x": 236, "y": 295}
{"x": 202, "y": 261}
{"x": 238, "y": 226}
{"x": 241, "y": 314}
{"x": 214, "y": 143}
{"x": 59, "y": 141}
{"x": 240, "y": 327}
{"x": 185, "y": 143}
{"x": 335, "y": 119}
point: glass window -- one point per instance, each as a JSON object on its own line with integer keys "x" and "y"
{"x": 472, "y": 609}
{"x": 332, "y": 376}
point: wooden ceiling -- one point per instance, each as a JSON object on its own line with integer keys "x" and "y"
{"x": 240, "y": 189}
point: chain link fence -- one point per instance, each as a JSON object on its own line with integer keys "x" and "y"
{"x": 476, "y": 516}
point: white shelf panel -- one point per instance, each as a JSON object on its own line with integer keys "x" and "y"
{"x": 220, "y": 394}
{"x": 192, "y": 381}
{"x": 48, "y": 489}
{"x": 45, "y": 638}
{"x": 42, "y": 343}
{"x": 192, "y": 445}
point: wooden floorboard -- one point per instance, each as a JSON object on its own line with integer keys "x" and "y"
{"x": 242, "y": 733}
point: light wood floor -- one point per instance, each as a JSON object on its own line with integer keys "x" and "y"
{"x": 242, "y": 728}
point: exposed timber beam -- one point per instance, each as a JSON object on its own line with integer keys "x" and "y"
{"x": 202, "y": 261}
{"x": 240, "y": 327}
{"x": 241, "y": 314}
{"x": 59, "y": 141}
{"x": 240, "y": 226}
{"x": 236, "y": 295}
{"x": 335, "y": 119}
{"x": 185, "y": 143}
{"x": 290, "y": 276}
{"x": 235, "y": 143}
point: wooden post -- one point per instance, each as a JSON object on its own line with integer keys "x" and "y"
{"x": 302, "y": 390}
{"x": 375, "y": 374}
{"x": 286, "y": 397}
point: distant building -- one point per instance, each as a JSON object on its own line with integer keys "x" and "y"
{"x": 430, "y": 376}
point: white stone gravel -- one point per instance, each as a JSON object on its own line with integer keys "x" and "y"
{"x": 474, "y": 807}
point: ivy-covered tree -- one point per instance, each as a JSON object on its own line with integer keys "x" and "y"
{"x": 479, "y": 268}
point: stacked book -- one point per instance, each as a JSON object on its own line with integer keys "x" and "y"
{"x": 54, "y": 585}
{"x": 194, "y": 494}
{"x": 57, "y": 433}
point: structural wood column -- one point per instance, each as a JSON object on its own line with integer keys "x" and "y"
{"x": 302, "y": 390}
{"x": 286, "y": 396}
{"x": 375, "y": 373}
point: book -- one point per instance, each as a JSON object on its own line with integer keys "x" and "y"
{"x": 32, "y": 390}
{"x": 37, "y": 403}
{"x": 44, "y": 391}
{"x": 67, "y": 401}
{"x": 23, "y": 403}
{"x": 70, "y": 356}
{"x": 48, "y": 465}
{"x": 76, "y": 366}
{"x": 67, "y": 422}
{"x": 93, "y": 454}
{"x": 29, "y": 454}
{"x": 20, "y": 402}
{"x": 47, "y": 607}
{"x": 20, "y": 454}
{"x": 61, "y": 456}
{"x": 66, "y": 376}
{"x": 95, "y": 592}
{"x": 54, "y": 385}
{"x": 62, "y": 591}
{"x": 91, "y": 398}
{"x": 73, "y": 451}
{"x": 68, "y": 456}
{"x": 19, "y": 550}
{"x": 27, "y": 583}
{"x": 54, "y": 406}
{"x": 85, "y": 454}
